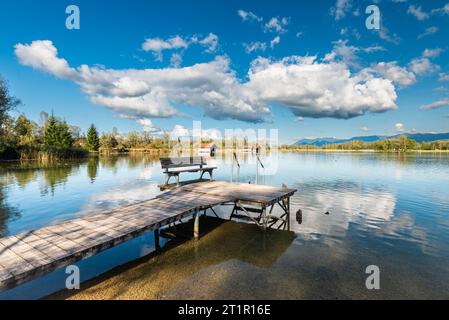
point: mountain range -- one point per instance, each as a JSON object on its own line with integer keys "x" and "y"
{"x": 418, "y": 137}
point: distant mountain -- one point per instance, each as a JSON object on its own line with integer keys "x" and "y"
{"x": 418, "y": 137}
{"x": 427, "y": 137}
{"x": 316, "y": 142}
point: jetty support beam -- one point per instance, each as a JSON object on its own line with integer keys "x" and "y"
{"x": 266, "y": 219}
{"x": 196, "y": 225}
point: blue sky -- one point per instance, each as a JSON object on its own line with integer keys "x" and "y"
{"x": 307, "y": 68}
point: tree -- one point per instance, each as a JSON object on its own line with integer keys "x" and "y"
{"x": 24, "y": 130}
{"x": 93, "y": 142}
{"x": 7, "y": 103}
{"x": 405, "y": 143}
{"x": 51, "y": 132}
{"x": 57, "y": 134}
{"x": 132, "y": 140}
{"x": 108, "y": 141}
{"x": 7, "y": 138}
{"x": 64, "y": 135}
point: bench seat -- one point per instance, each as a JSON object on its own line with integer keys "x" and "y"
{"x": 190, "y": 169}
{"x": 174, "y": 166}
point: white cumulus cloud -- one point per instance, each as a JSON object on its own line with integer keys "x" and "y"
{"x": 422, "y": 66}
{"x": 306, "y": 86}
{"x": 210, "y": 42}
{"x": 312, "y": 89}
{"x": 148, "y": 125}
{"x": 43, "y": 55}
{"x": 157, "y": 45}
{"x": 395, "y": 73}
{"x": 399, "y": 127}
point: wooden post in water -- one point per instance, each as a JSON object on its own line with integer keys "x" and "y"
{"x": 196, "y": 226}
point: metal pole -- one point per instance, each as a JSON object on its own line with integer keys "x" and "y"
{"x": 257, "y": 172}
{"x": 232, "y": 170}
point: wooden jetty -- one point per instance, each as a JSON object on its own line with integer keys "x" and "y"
{"x": 31, "y": 254}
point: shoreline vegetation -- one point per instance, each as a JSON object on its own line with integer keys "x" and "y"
{"x": 358, "y": 151}
{"x": 396, "y": 145}
{"x": 53, "y": 139}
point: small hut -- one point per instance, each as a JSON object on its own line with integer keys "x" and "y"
{"x": 208, "y": 148}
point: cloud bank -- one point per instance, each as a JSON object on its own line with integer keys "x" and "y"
{"x": 305, "y": 85}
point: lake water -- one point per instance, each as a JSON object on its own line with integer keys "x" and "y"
{"x": 387, "y": 210}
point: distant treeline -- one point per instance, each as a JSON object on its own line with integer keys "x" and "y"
{"x": 23, "y": 139}
{"x": 400, "y": 144}
{"x": 53, "y": 138}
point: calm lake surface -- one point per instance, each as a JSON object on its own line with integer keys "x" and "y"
{"x": 387, "y": 210}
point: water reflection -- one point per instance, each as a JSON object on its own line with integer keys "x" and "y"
{"x": 92, "y": 168}
{"x": 367, "y": 211}
{"x": 346, "y": 202}
{"x": 7, "y": 212}
{"x": 54, "y": 177}
{"x": 23, "y": 177}
{"x": 120, "y": 196}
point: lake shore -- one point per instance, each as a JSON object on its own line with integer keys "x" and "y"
{"x": 166, "y": 152}
{"x": 361, "y": 151}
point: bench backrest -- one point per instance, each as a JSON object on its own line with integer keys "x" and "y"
{"x": 179, "y": 162}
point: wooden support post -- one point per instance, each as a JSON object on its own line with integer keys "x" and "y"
{"x": 156, "y": 239}
{"x": 196, "y": 226}
{"x": 288, "y": 213}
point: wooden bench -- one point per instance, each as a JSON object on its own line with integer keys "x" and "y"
{"x": 174, "y": 166}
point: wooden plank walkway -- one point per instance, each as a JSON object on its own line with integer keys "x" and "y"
{"x": 31, "y": 254}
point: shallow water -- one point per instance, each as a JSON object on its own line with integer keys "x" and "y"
{"x": 384, "y": 209}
